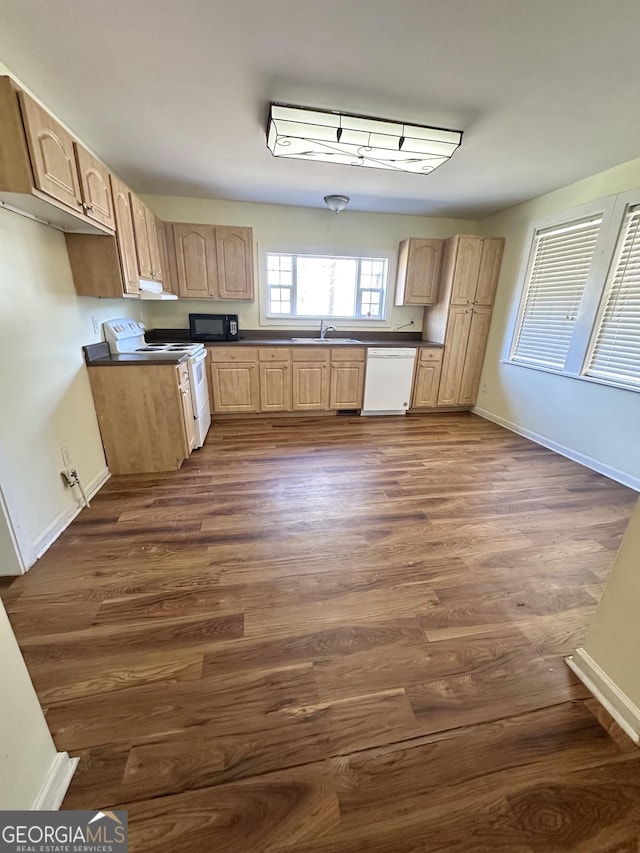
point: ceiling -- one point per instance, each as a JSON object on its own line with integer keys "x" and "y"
{"x": 174, "y": 96}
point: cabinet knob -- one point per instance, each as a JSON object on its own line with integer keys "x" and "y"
{"x": 79, "y": 203}
{"x": 88, "y": 207}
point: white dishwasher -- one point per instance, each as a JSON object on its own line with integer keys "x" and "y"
{"x": 387, "y": 387}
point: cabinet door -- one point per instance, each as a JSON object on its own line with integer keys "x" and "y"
{"x": 425, "y": 390}
{"x": 141, "y": 234}
{"x": 310, "y": 386}
{"x": 427, "y": 379}
{"x": 275, "y": 387}
{"x": 478, "y": 333}
{"x": 489, "y": 270}
{"x": 235, "y": 387}
{"x": 455, "y": 350}
{"x": 154, "y": 245}
{"x": 184, "y": 389}
{"x": 347, "y": 385}
{"x": 124, "y": 236}
{"x": 419, "y": 272}
{"x": 52, "y": 155}
{"x": 234, "y": 249}
{"x": 466, "y": 270}
{"x": 168, "y": 280}
{"x": 195, "y": 258}
{"x": 94, "y": 183}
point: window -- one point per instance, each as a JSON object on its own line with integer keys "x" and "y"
{"x": 579, "y": 312}
{"x": 615, "y": 352}
{"x": 314, "y": 286}
{"x": 560, "y": 264}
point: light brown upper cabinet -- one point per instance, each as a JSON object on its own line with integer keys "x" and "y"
{"x": 94, "y": 184}
{"x": 419, "y": 264}
{"x": 475, "y": 263}
{"x": 192, "y": 259}
{"x": 111, "y": 265}
{"x": 210, "y": 261}
{"x": 125, "y": 237}
{"x": 45, "y": 171}
{"x": 52, "y": 156}
{"x": 234, "y": 250}
{"x": 146, "y": 237}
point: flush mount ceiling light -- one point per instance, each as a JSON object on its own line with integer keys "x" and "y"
{"x": 336, "y": 202}
{"x": 303, "y": 133}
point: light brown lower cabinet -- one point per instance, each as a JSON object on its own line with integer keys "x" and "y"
{"x": 274, "y": 364}
{"x": 310, "y": 368}
{"x": 285, "y": 379}
{"x": 427, "y": 378}
{"x": 465, "y": 342}
{"x": 143, "y": 416}
{"x": 347, "y": 378}
{"x": 235, "y": 386}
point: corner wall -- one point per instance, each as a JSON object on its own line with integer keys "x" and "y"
{"x": 594, "y": 424}
{"x": 44, "y": 385}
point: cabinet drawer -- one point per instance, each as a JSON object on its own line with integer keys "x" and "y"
{"x": 348, "y": 354}
{"x": 428, "y": 354}
{"x": 274, "y": 354}
{"x": 231, "y": 353}
{"x": 319, "y": 353}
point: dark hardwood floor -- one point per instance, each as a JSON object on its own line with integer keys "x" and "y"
{"x": 338, "y": 635}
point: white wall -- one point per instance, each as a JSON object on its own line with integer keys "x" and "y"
{"x": 614, "y": 636}
{"x": 298, "y": 226}
{"x": 595, "y": 424}
{"x": 28, "y": 757}
{"x": 44, "y": 384}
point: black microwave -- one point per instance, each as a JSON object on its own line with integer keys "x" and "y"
{"x": 214, "y": 327}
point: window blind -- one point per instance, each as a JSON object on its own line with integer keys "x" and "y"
{"x": 615, "y": 352}
{"x": 555, "y": 286}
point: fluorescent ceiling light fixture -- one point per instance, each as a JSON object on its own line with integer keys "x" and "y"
{"x": 302, "y": 133}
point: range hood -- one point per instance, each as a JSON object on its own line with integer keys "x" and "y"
{"x": 153, "y": 290}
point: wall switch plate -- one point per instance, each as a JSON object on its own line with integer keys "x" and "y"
{"x": 96, "y": 325}
{"x": 66, "y": 455}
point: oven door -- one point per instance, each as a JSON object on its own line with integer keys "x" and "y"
{"x": 198, "y": 379}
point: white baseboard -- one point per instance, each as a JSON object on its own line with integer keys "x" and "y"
{"x": 56, "y": 784}
{"x": 60, "y": 524}
{"x": 581, "y": 458}
{"x": 607, "y": 692}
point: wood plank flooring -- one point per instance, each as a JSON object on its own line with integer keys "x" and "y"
{"x": 341, "y": 634}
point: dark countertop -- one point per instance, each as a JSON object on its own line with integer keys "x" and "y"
{"x": 99, "y": 355}
{"x": 259, "y": 337}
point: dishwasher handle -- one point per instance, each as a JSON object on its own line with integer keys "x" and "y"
{"x": 391, "y": 352}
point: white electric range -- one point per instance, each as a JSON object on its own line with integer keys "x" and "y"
{"x": 126, "y": 337}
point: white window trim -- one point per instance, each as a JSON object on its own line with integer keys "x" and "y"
{"x": 613, "y": 209}
{"x": 385, "y": 322}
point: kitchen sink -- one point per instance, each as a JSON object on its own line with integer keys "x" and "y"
{"x": 331, "y": 341}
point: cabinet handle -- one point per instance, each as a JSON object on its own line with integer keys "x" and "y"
{"x": 88, "y": 207}
{"x": 79, "y": 203}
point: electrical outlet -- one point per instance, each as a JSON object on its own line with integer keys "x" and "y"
{"x": 66, "y": 455}
{"x": 96, "y": 325}
{"x": 67, "y": 479}
{"x": 484, "y": 388}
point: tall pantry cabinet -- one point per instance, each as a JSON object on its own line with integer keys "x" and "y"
{"x": 461, "y": 319}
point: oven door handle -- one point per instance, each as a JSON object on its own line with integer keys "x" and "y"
{"x": 201, "y": 356}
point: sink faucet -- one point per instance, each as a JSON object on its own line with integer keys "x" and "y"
{"x": 324, "y": 329}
